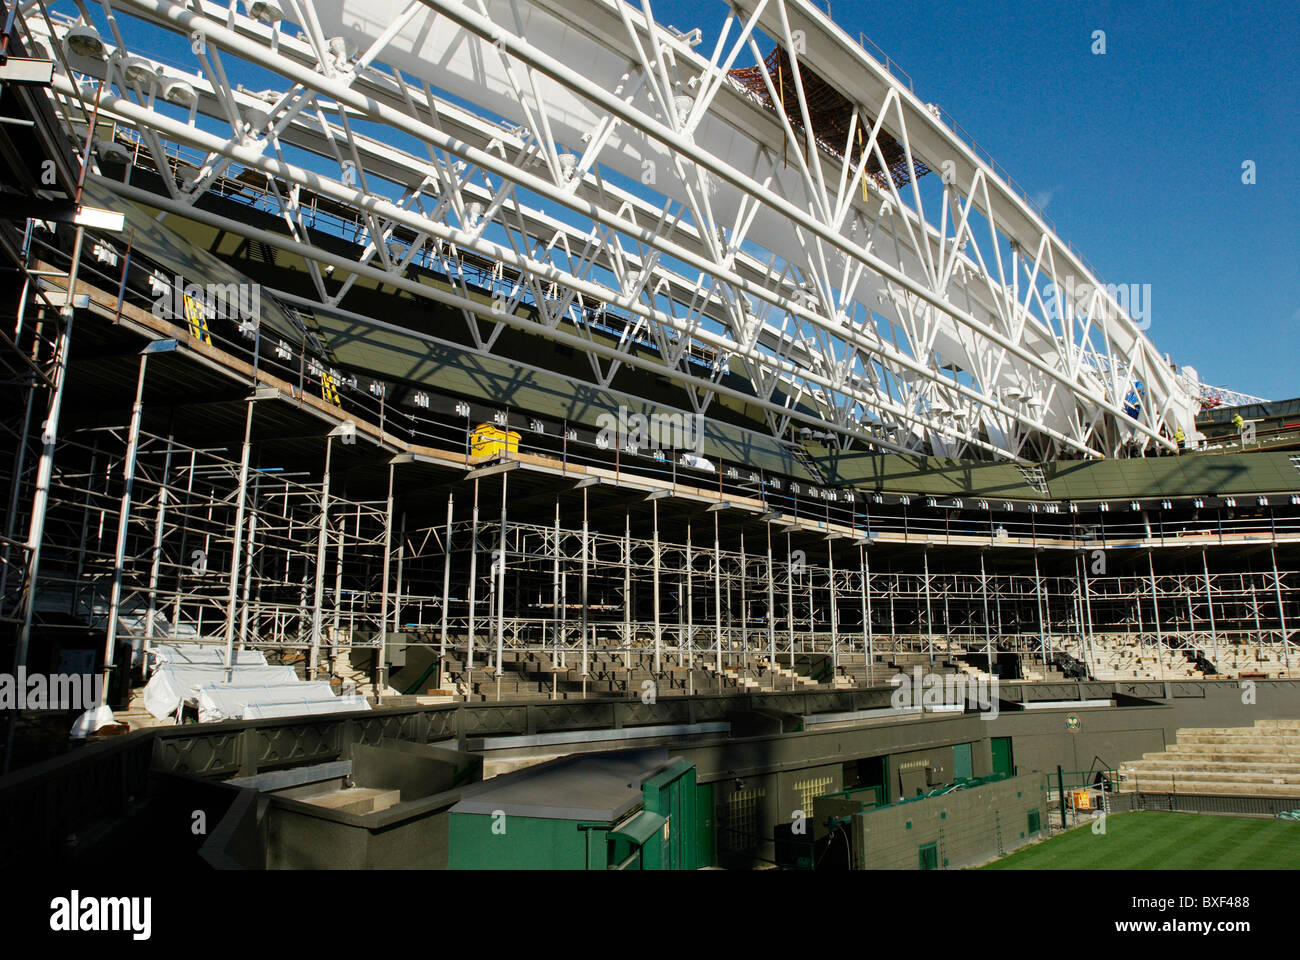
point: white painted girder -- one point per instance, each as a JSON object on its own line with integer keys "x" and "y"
{"x": 965, "y": 309}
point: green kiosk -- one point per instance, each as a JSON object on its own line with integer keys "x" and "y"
{"x": 622, "y": 810}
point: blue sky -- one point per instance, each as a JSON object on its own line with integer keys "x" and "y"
{"x": 1137, "y": 152}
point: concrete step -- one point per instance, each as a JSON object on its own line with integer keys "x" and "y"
{"x": 357, "y": 800}
{"x": 1159, "y": 763}
{"x": 1282, "y": 741}
{"x": 1238, "y": 746}
{"x": 1231, "y": 776}
{"x": 1186, "y": 785}
{"x": 1278, "y": 724}
{"x": 1231, "y": 755}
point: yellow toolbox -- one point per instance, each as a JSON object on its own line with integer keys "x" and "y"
{"x": 490, "y": 441}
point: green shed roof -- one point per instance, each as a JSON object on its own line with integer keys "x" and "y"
{"x": 600, "y": 787}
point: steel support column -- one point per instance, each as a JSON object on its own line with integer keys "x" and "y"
{"x": 835, "y": 619}
{"x": 383, "y": 594}
{"x": 929, "y": 622}
{"x": 321, "y": 545}
{"x": 585, "y": 572}
{"x": 654, "y": 512}
{"x": 473, "y": 577}
{"x": 1281, "y": 614}
{"x": 123, "y": 519}
{"x": 866, "y": 615}
{"x": 501, "y": 575}
{"x": 446, "y": 586}
{"x": 155, "y": 560}
{"x": 1155, "y": 605}
{"x": 789, "y": 591}
{"x": 1209, "y": 603}
{"x": 771, "y": 611}
{"x": 717, "y": 592}
{"x": 988, "y": 636}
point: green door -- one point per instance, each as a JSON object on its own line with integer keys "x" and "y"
{"x": 961, "y": 761}
{"x": 671, "y": 794}
{"x": 928, "y": 856}
{"x": 1003, "y": 759}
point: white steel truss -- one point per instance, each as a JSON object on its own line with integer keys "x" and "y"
{"x": 652, "y": 209}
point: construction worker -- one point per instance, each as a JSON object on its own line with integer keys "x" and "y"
{"x": 1181, "y": 439}
{"x": 1238, "y": 422}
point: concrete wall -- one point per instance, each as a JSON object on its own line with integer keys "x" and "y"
{"x": 300, "y": 838}
{"x": 966, "y": 826}
{"x": 1041, "y": 739}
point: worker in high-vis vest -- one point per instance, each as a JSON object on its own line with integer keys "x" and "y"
{"x": 1238, "y": 422}
{"x": 1181, "y": 439}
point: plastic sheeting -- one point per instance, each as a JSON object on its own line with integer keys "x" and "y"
{"x": 92, "y": 720}
{"x": 196, "y": 653}
{"x": 174, "y": 683}
{"x": 343, "y": 704}
{"x": 252, "y": 701}
{"x": 195, "y": 675}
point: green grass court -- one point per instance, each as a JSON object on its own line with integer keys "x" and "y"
{"x": 1166, "y": 841}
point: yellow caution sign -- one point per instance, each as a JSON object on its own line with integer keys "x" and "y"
{"x": 329, "y": 389}
{"x": 1082, "y": 800}
{"x": 196, "y": 314}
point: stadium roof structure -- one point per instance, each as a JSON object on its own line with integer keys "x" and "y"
{"x": 577, "y": 173}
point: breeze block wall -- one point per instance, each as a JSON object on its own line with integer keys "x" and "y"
{"x": 967, "y": 827}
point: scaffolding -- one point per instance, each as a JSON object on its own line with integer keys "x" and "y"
{"x": 145, "y": 537}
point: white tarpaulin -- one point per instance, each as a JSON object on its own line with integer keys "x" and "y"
{"x": 92, "y": 720}
{"x": 203, "y": 653}
{"x": 231, "y": 702}
{"x": 343, "y": 704}
{"x": 196, "y": 675}
{"x": 174, "y": 683}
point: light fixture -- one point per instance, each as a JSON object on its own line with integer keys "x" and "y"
{"x": 139, "y": 72}
{"x": 105, "y": 254}
{"x": 265, "y": 10}
{"x": 97, "y": 218}
{"x": 83, "y": 41}
{"x": 112, "y": 154}
{"x": 180, "y": 93}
